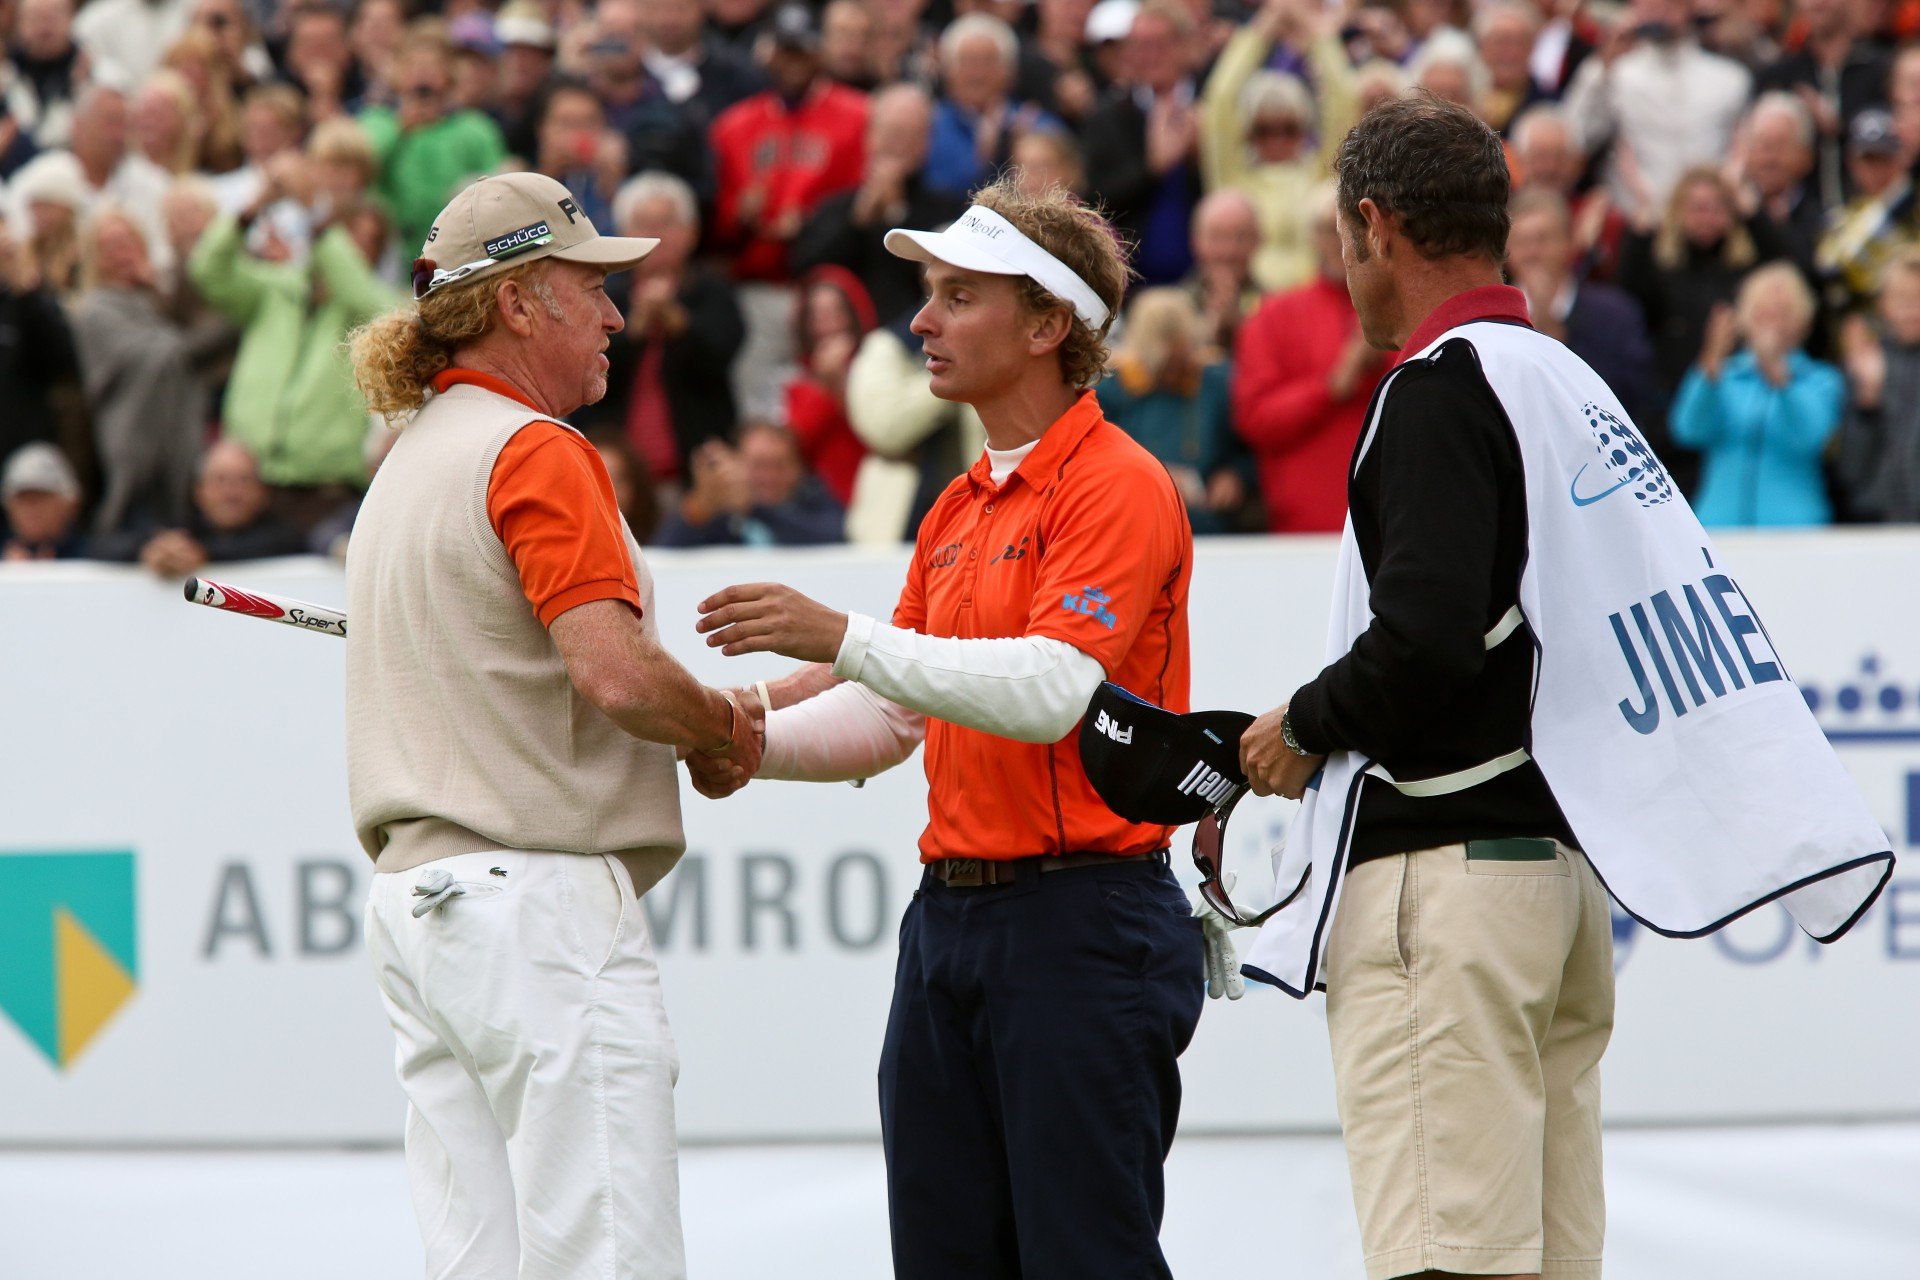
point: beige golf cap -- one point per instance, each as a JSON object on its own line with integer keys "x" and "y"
{"x": 981, "y": 240}
{"x": 511, "y": 218}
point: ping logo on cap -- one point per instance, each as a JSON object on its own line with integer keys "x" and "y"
{"x": 1108, "y": 725}
{"x": 524, "y": 238}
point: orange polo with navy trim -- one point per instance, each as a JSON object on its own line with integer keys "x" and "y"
{"x": 1087, "y": 542}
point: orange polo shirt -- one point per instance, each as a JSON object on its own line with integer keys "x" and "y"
{"x": 551, "y": 501}
{"x": 1087, "y": 542}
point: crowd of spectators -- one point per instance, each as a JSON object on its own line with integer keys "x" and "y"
{"x": 1714, "y": 206}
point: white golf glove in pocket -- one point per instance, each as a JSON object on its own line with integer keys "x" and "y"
{"x": 1223, "y": 962}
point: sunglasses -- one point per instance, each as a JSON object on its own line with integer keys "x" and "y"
{"x": 1209, "y": 856}
{"x": 427, "y": 275}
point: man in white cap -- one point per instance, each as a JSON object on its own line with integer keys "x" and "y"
{"x": 1050, "y": 968}
{"x": 40, "y": 497}
{"x": 527, "y": 44}
{"x": 512, "y": 721}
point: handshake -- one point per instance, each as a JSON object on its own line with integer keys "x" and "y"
{"x": 760, "y": 617}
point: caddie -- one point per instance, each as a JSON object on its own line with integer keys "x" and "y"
{"x": 512, "y": 722}
{"x": 1051, "y": 970}
{"x": 1544, "y": 684}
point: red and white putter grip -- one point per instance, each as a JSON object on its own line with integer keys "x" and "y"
{"x": 261, "y": 604}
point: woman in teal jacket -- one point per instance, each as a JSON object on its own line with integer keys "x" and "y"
{"x": 1761, "y": 418}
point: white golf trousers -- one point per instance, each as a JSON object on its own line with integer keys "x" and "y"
{"x": 538, "y": 1068}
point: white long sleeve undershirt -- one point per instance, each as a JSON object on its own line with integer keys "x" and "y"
{"x": 1002, "y": 463}
{"x": 1028, "y": 688}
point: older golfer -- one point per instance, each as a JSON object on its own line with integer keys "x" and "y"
{"x": 1050, "y": 971}
{"x": 512, "y": 721}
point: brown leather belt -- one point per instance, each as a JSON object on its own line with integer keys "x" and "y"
{"x": 978, "y": 873}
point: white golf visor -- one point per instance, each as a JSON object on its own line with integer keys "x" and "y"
{"x": 982, "y": 240}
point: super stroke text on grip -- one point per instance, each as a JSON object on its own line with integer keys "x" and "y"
{"x": 300, "y": 616}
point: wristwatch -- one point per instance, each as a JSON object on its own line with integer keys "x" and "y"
{"x": 1286, "y": 734}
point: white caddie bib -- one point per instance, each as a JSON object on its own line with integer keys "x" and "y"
{"x": 1664, "y": 721}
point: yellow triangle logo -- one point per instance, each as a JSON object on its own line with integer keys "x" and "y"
{"x": 92, "y": 984}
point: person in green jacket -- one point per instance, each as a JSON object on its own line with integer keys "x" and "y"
{"x": 291, "y": 399}
{"x": 426, "y": 150}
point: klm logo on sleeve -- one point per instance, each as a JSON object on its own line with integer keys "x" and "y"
{"x": 1093, "y": 602}
{"x": 1625, "y": 462}
{"x": 68, "y": 959}
{"x": 1106, "y": 724}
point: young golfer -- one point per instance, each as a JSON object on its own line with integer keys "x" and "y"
{"x": 1051, "y": 971}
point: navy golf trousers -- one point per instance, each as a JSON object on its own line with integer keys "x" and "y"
{"x": 1029, "y": 1087}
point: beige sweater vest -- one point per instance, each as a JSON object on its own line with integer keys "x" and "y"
{"x": 463, "y": 731}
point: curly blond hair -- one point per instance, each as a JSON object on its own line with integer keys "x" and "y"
{"x": 396, "y": 356}
{"x": 1079, "y": 235}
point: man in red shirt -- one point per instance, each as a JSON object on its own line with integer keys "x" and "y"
{"x": 1050, "y": 968}
{"x": 776, "y": 156}
{"x": 781, "y": 152}
{"x": 1302, "y": 377}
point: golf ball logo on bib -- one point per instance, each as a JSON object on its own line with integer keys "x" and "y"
{"x": 1625, "y": 463}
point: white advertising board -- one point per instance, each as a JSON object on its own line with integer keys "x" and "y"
{"x": 180, "y": 889}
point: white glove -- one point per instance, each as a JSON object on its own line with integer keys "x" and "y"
{"x": 436, "y": 886}
{"x": 1223, "y": 962}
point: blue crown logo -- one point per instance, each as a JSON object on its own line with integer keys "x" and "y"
{"x": 1628, "y": 460}
{"x": 1870, "y": 707}
{"x": 1626, "y": 931}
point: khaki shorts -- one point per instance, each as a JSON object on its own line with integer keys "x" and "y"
{"x": 1468, "y": 1002}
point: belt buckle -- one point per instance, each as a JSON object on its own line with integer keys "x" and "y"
{"x": 965, "y": 873}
